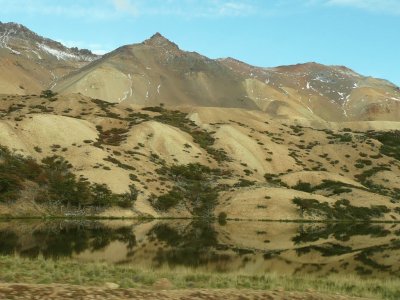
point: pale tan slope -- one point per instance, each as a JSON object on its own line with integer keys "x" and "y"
{"x": 316, "y": 178}
{"x": 268, "y": 203}
{"x": 105, "y": 83}
{"x": 51, "y": 134}
{"x": 167, "y": 142}
{"x": 255, "y": 143}
{"x": 259, "y": 155}
{"x": 367, "y": 125}
{"x": 44, "y": 131}
{"x": 63, "y": 134}
{"x": 21, "y": 76}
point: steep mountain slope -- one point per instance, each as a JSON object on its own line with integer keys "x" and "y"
{"x": 30, "y": 63}
{"x": 334, "y": 93}
{"x": 157, "y": 71}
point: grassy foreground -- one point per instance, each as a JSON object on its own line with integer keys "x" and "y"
{"x": 41, "y": 271}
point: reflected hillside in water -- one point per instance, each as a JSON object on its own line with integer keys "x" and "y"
{"x": 256, "y": 247}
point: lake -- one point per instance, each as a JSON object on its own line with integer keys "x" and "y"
{"x": 254, "y": 247}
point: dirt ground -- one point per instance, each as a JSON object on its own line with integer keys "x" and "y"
{"x": 55, "y": 292}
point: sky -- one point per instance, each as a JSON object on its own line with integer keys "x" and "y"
{"x": 360, "y": 34}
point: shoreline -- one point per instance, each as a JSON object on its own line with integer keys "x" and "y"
{"x": 64, "y": 271}
{"x": 99, "y": 218}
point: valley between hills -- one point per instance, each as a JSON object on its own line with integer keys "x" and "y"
{"x": 150, "y": 130}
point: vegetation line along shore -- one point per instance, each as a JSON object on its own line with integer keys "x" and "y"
{"x": 100, "y": 218}
{"x": 63, "y": 271}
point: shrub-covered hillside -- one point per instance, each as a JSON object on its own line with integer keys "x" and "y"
{"x": 52, "y": 182}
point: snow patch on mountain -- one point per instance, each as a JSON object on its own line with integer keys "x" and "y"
{"x": 4, "y": 39}
{"x": 60, "y": 55}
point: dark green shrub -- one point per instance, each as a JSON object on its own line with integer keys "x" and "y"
{"x": 341, "y": 209}
{"x": 244, "y": 183}
{"x": 193, "y": 187}
{"x": 169, "y": 200}
{"x": 303, "y": 186}
{"x": 48, "y": 94}
{"x": 10, "y": 185}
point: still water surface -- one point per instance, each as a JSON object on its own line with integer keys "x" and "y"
{"x": 256, "y": 247}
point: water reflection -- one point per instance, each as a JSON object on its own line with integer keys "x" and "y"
{"x": 256, "y": 247}
{"x": 60, "y": 239}
{"x": 193, "y": 245}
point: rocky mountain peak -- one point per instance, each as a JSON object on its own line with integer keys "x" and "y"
{"x": 158, "y": 40}
{"x": 19, "y": 40}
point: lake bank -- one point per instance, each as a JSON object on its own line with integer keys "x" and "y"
{"x": 41, "y": 271}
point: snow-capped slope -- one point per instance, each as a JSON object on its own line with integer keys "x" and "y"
{"x": 30, "y": 63}
{"x": 20, "y": 40}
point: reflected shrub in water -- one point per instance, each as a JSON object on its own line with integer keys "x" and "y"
{"x": 56, "y": 240}
{"x": 329, "y": 249}
{"x": 222, "y": 218}
{"x": 193, "y": 246}
{"x": 340, "y": 231}
{"x": 8, "y": 242}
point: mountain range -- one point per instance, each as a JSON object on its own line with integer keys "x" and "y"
{"x": 157, "y": 71}
{"x": 195, "y": 135}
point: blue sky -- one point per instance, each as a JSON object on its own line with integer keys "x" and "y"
{"x": 361, "y": 34}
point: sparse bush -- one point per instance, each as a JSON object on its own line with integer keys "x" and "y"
{"x": 48, "y": 94}
{"x": 341, "y": 209}
{"x": 169, "y": 200}
{"x": 244, "y": 183}
{"x": 193, "y": 188}
{"x": 303, "y": 186}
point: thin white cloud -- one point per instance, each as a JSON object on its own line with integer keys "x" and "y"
{"x": 112, "y": 9}
{"x": 126, "y": 6}
{"x": 189, "y": 8}
{"x": 82, "y": 9}
{"x": 235, "y": 9}
{"x": 378, "y": 6}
